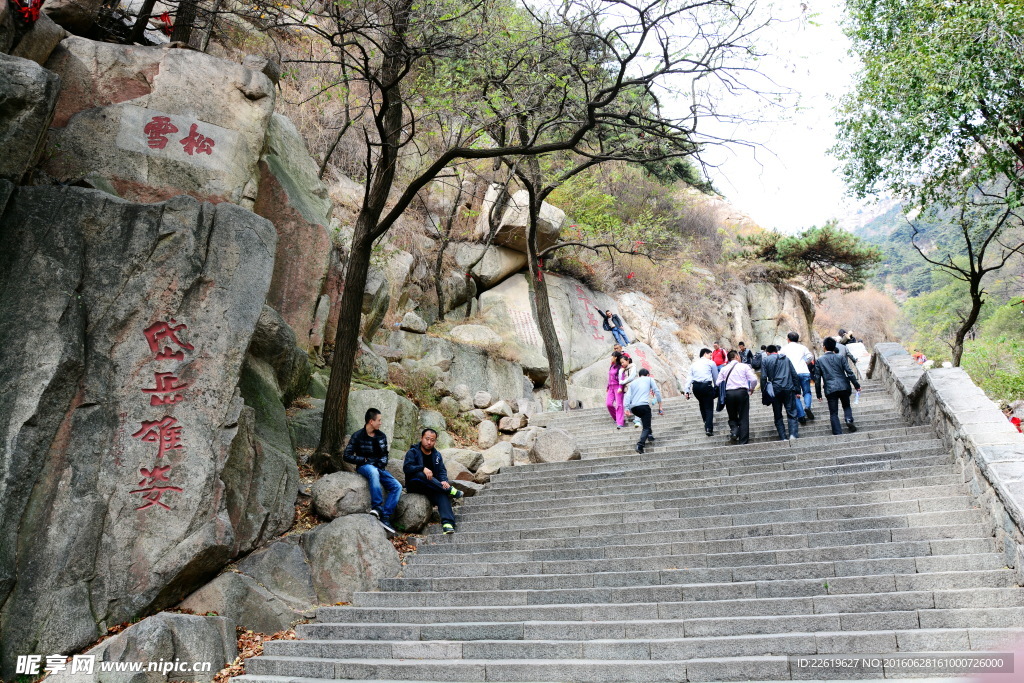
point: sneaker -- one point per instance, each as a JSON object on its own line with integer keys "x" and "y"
{"x": 640, "y": 448}
{"x": 733, "y": 438}
{"x": 851, "y": 427}
{"x": 709, "y": 432}
{"x": 793, "y": 437}
{"x": 386, "y": 523}
{"x": 651, "y": 437}
{"x": 375, "y": 513}
{"x": 455, "y": 493}
{"x": 802, "y": 420}
{"x": 618, "y": 427}
{"x": 636, "y": 426}
{"x": 810, "y": 414}
{"x": 447, "y": 529}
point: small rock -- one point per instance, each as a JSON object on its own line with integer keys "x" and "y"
{"x": 471, "y": 460}
{"x": 433, "y": 420}
{"x": 482, "y": 399}
{"x": 449, "y": 405}
{"x": 339, "y": 494}
{"x": 413, "y": 323}
{"x": 554, "y": 445}
{"x": 460, "y": 391}
{"x": 512, "y": 423}
{"x": 494, "y": 459}
{"x": 441, "y": 389}
{"x": 413, "y": 512}
{"x": 501, "y": 408}
{"x": 487, "y": 434}
{"x": 525, "y": 437}
{"x": 520, "y": 456}
{"x": 476, "y": 415}
{"x": 388, "y": 353}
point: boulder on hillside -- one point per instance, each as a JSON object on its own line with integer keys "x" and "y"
{"x": 123, "y": 367}
{"x": 166, "y": 637}
{"x": 431, "y": 419}
{"x": 305, "y": 425}
{"x": 77, "y": 16}
{"x": 574, "y": 309}
{"x": 350, "y": 554}
{"x": 413, "y": 513}
{"x": 516, "y": 220}
{"x": 370, "y": 364}
{"x": 41, "y": 40}
{"x": 554, "y": 445}
{"x": 469, "y": 459}
{"x": 470, "y": 488}
{"x": 501, "y": 408}
{"x": 495, "y": 458}
{"x": 497, "y": 263}
{"x": 29, "y": 93}
{"x": 481, "y": 399}
{"x": 246, "y": 602}
{"x": 476, "y": 415}
{"x": 662, "y": 333}
{"x": 413, "y": 323}
{"x": 275, "y": 342}
{"x": 282, "y": 568}
{"x": 595, "y": 377}
{"x": 475, "y": 334}
{"x": 131, "y": 116}
{"x": 487, "y": 434}
{"x": 512, "y": 423}
{"x": 259, "y": 486}
{"x": 292, "y": 196}
{"x": 525, "y": 438}
{"x": 339, "y": 494}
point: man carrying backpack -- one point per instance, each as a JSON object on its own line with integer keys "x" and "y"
{"x": 783, "y": 385}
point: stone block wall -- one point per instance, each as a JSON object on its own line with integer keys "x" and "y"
{"x": 988, "y": 449}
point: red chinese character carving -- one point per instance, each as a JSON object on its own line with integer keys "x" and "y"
{"x": 165, "y": 384}
{"x": 157, "y": 131}
{"x": 166, "y": 330}
{"x": 166, "y": 432}
{"x": 153, "y": 488}
{"x": 196, "y": 143}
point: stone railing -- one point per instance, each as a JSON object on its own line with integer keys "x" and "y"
{"x": 988, "y": 449}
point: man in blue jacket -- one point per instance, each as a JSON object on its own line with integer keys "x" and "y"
{"x": 425, "y": 473}
{"x": 368, "y": 450}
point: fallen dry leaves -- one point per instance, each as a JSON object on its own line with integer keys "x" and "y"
{"x": 250, "y": 644}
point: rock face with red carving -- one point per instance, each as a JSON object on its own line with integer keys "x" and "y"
{"x": 157, "y": 122}
{"x": 122, "y": 333}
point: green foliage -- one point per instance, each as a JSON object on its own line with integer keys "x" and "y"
{"x": 996, "y": 365}
{"x": 670, "y": 171}
{"x": 939, "y": 100}
{"x": 823, "y": 259}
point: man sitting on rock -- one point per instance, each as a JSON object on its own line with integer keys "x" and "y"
{"x": 368, "y": 450}
{"x": 425, "y": 473}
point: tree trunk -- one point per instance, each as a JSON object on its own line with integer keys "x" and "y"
{"x": 542, "y": 310}
{"x": 438, "y": 288}
{"x": 145, "y": 12}
{"x": 184, "y": 20}
{"x": 977, "y": 299}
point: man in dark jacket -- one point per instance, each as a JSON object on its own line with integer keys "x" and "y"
{"x": 368, "y": 450}
{"x": 779, "y": 371}
{"x": 745, "y": 354}
{"x": 834, "y": 372}
{"x": 613, "y": 324}
{"x": 425, "y": 473}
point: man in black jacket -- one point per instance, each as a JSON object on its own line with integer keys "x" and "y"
{"x": 785, "y": 385}
{"x": 613, "y": 324}
{"x": 425, "y": 473}
{"x": 368, "y": 450}
{"x": 834, "y": 372}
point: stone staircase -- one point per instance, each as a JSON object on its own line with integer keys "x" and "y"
{"x": 698, "y": 561}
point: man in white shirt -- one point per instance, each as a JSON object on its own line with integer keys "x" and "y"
{"x": 701, "y": 383}
{"x": 799, "y": 355}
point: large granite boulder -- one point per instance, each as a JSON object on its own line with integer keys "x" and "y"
{"x": 28, "y": 93}
{"x": 350, "y": 554}
{"x": 470, "y": 460}
{"x": 292, "y": 197}
{"x": 574, "y": 308}
{"x": 413, "y": 513}
{"x": 487, "y": 434}
{"x": 516, "y": 220}
{"x": 77, "y": 16}
{"x": 475, "y": 334}
{"x": 554, "y": 445}
{"x": 341, "y": 493}
{"x": 662, "y": 333}
{"x": 158, "y": 122}
{"x": 590, "y": 385}
{"x": 495, "y": 458}
{"x": 164, "y": 637}
{"x": 497, "y": 264}
{"x": 464, "y": 365}
{"x": 275, "y": 342}
{"x": 123, "y": 329}
{"x": 776, "y": 310}
{"x": 247, "y": 602}
{"x": 41, "y": 40}
{"x": 305, "y": 425}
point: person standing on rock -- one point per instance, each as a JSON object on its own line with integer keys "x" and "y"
{"x": 834, "y": 372}
{"x": 615, "y": 397}
{"x": 613, "y": 324}
{"x": 739, "y": 380}
{"x": 368, "y": 450}
{"x": 701, "y": 383}
{"x": 718, "y": 355}
{"x": 638, "y": 403}
{"x": 783, "y": 386}
{"x": 425, "y": 473}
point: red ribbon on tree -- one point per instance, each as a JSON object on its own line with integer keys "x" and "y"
{"x": 27, "y": 10}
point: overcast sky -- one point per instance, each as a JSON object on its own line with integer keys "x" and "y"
{"x": 792, "y": 182}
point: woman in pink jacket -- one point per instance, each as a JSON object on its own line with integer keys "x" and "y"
{"x": 614, "y": 401}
